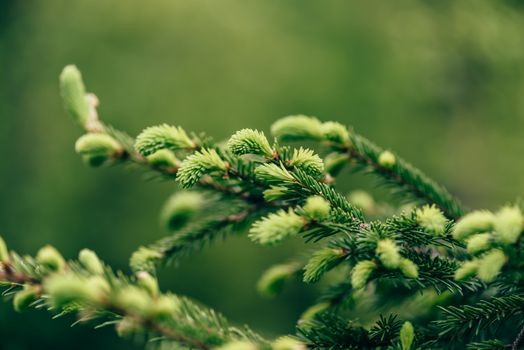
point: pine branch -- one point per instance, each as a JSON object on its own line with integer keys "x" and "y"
{"x": 133, "y": 304}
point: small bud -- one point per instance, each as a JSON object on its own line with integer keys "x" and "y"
{"x": 275, "y": 193}
{"x": 91, "y": 262}
{"x": 74, "y": 95}
{"x": 197, "y": 165}
{"x": 361, "y": 273}
{"x": 50, "y": 258}
{"x": 408, "y": 268}
{"x": 387, "y": 159}
{"x": 66, "y": 289}
{"x": 363, "y": 200}
{"x": 407, "y": 334}
{"x": 508, "y": 225}
{"x": 479, "y": 221}
{"x": 334, "y": 162}
{"x": 287, "y": 343}
{"x": 144, "y": 259}
{"x": 165, "y": 307}
{"x": 148, "y": 282}
{"x": 249, "y": 141}
{"x": 478, "y": 243}
{"x": 321, "y": 261}
{"x": 307, "y": 161}
{"x": 163, "y": 158}
{"x": 273, "y": 279}
{"x": 273, "y": 173}
{"x": 133, "y": 299}
{"x": 179, "y": 209}
{"x": 466, "y": 270}
{"x": 4, "y": 252}
{"x": 335, "y": 132}
{"x": 97, "y": 148}
{"x": 432, "y": 219}
{"x": 317, "y": 208}
{"x": 276, "y": 226}
{"x": 388, "y": 254}
{"x": 160, "y": 137}
{"x": 24, "y": 298}
{"x": 297, "y": 127}
{"x": 313, "y": 311}
{"x": 238, "y": 345}
{"x": 490, "y": 264}
{"x": 127, "y": 326}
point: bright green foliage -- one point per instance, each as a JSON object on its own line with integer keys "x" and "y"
{"x": 297, "y": 127}
{"x": 407, "y": 333}
{"x": 97, "y": 149}
{"x": 388, "y": 253}
{"x": 307, "y": 161}
{"x": 24, "y": 298}
{"x": 317, "y": 208}
{"x": 361, "y": 273}
{"x": 4, "y": 253}
{"x": 50, "y": 258}
{"x": 489, "y": 265}
{"x": 432, "y": 219}
{"x": 162, "y": 136}
{"x": 163, "y": 158}
{"x": 387, "y": 159}
{"x": 179, "y": 208}
{"x": 276, "y": 226}
{"x": 273, "y": 279}
{"x": 74, "y": 95}
{"x": 475, "y": 222}
{"x": 403, "y": 266}
{"x": 320, "y": 262}
{"x": 196, "y": 165}
{"x": 273, "y": 173}
{"x": 249, "y": 141}
{"x": 508, "y": 225}
{"x": 91, "y": 262}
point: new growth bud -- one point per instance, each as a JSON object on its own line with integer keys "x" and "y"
{"x": 198, "y": 164}
{"x": 134, "y": 300}
{"x": 317, "y": 208}
{"x": 287, "y": 343}
{"x": 479, "y": 221}
{"x": 97, "y": 148}
{"x": 69, "y": 288}
{"x": 297, "y": 127}
{"x": 363, "y": 200}
{"x": 50, "y": 258}
{"x": 388, "y": 254}
{"x": 148, "y": 282}
{"x": 273, "y": 173}
{"x": 432, "y": 219}
{"x": 4, "y": 252}
{"x": 466, "y": 270}
{"x": 508, "y": 224}
{"x": 273, "y": 279}
{"x": 179, "y": 208}
{"x": 387, "y": 159}
{"x": 490, "y": 265}
{"x": 162, "y": 136}
{"x": 307, "y": 161}
{"x": 361, "y": 273}
{"x": 162, "y": 159}
{"x": 321, "y": 261}
{"x": 249, "y": 141}
{"x": 74, "y": 95}
{"x": 408, "y": 268}
{"x": 407, "y": 334}
{"x": 24, "y": 298}
{"x": 164, "y": 307}
{"x": 91, "y": 262}
{"x": 238, "y": 345}
{"x": 276, "y": 226}
{"x": 478, "y": 243}
{"x": 144, "y": 259}
{"x": 336, "y": 133}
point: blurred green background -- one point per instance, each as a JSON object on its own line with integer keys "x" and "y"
{"x": 441, "y": 82}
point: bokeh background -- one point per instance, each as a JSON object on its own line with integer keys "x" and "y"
{"x": 441, "y": 82}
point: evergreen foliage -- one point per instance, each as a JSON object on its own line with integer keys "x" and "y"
{"x": 431, "y": 277}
